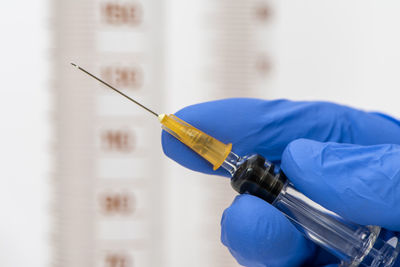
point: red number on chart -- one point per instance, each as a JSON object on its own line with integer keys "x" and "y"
{"x": 117, "y": 260}
{"x": 122, "y": 14}
{"x": 117, "y": 203}
{"x": 118, "y": 141}
{"x": 123, "y": 77}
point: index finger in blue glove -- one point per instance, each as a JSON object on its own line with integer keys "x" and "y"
{"x": 266, "y": 127}
{"x": 360, "y": 183}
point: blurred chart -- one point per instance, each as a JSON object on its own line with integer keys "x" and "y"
{"x": 224, "y": 49}
{"x": 118, "y": 202}
{"x": 108, "y": 191}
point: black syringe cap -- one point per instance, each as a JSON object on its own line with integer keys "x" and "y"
{"x": 256, "y": 176}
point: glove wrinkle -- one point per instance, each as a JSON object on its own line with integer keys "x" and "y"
{"x": 360, "y": 183}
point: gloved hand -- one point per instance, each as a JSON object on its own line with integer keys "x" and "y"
{"x": 345, "y": 159}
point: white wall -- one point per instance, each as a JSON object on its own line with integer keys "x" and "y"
{"x": 24, "y": 137}
{"x": 343, "y": 51}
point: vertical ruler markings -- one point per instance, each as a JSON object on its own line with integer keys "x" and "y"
{"x": 112, "y": 208}
{"x": 108, "y": 202}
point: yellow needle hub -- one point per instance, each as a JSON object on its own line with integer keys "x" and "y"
{"x": 211, "y": 149}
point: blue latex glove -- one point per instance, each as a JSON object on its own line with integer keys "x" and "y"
{"x": 345, "y": 159}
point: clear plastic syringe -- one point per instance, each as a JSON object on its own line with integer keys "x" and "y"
{"x": 353, "y": 244}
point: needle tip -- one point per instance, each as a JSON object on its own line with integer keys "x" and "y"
{"x": 73, "y": 64}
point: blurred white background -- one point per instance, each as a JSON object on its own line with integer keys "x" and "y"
{"x": 342, "y": 51}
{"x": 24, "y": 142}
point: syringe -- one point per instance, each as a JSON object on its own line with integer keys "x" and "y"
{"x": 353, "y": 244}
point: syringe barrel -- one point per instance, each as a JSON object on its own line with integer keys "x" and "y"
{"x": 353, "y": 244}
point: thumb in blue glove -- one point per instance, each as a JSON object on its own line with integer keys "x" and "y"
{"x": 360, "y": 183}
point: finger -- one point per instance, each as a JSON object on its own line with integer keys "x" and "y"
{"x": 266, "y": 127}
{"x": 257, "y": 234}
{"x": 360, "y": 183}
